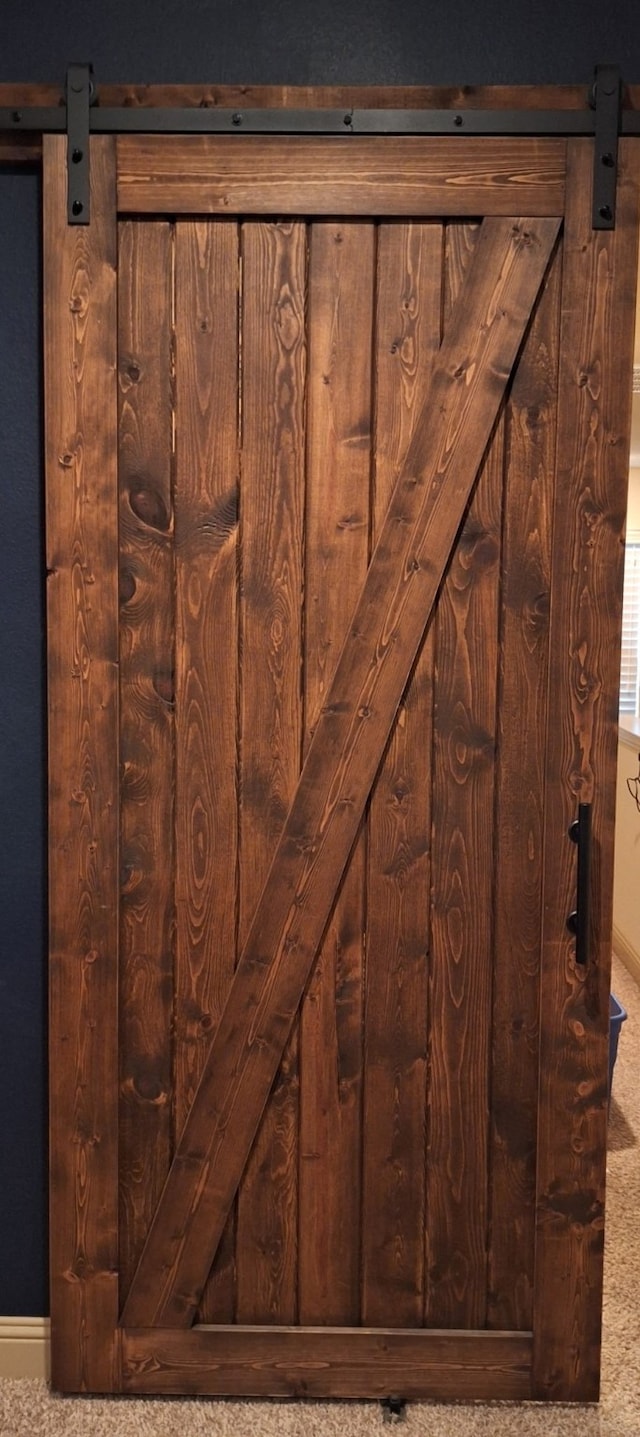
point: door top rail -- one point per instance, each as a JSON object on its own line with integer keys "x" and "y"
{"x": 80, "y": 114}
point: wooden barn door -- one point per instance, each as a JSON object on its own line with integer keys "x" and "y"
{"x": 336, "y": 462}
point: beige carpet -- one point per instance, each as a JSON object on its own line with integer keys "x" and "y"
{"x": 27, "y": 1409}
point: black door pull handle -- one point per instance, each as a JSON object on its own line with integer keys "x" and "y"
{"x": 578, "y": 921}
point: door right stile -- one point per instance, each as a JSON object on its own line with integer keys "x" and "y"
{"x": 596, "y": 358}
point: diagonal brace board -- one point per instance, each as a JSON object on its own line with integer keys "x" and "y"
{"x": 469, "y": 379}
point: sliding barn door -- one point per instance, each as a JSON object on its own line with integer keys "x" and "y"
{"x": 336, "y": 459}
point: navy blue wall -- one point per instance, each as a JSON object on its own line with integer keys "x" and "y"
{"x": 289, "y": 41}
{"x": 22, "y": 988}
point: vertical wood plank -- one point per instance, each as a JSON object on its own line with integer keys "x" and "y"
{"x": 522, "y": 706}
{"x": 146, "y": 728}
{"x": 80, "y": 346}
{"x": 460, "y": 975}
{"x": 341, "y": 284}
{"x": 206, "y": 508}
{"x": 272, "y": 531}
{"x": 408, "y": 321}
{"x": 428, "y": 505}
{"x": 596, "y": 349}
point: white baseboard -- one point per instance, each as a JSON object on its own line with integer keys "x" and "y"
{"x": 626, "y": 953}
{"x": 24, "y": 1347}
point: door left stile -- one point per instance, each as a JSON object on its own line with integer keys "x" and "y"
{"x": 80, "y": 344}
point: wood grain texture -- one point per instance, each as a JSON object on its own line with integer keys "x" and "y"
{"x": 408, "y": 323}
{"x": 272, "y": 526}
{"x": 428, "y": 502}
{"x": 206, "y": 527}
{"x": 599, "y": 285}
{"x": 519, "y": 823}
{"x": 341, "y": 287}
{"x": 146, "y": 581}
{"x": 499, "y": 97}
{"x": 407, "y": 176}
{"x": 462, "y": 858}
{"x": 80, "y": 334}
{"x": 325, "y": 1362}
{"x": 18, "y": 149}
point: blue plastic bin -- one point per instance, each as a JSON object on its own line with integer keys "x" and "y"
{"x": 617, "y": 1015}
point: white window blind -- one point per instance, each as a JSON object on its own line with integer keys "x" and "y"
{"x": 630, "y": 656}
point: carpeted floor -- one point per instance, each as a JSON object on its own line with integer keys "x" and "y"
{"x": 27, "y": 1409}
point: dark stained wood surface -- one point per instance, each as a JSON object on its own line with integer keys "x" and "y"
{"x": 328, "y": 1362}
{"x": 408, "y": 323}
{"x": 498, "y": 97}
{"x": 596, "y": 347}
{"x": 206, "y": 524}
{"x": 271, "y": 720}
{"x": 599, "y": 273}
{"x": 519, "y": 822}
{"x": 340, "y": 307}
{"x": 462, "y": 858}
{"x": 402, "y": 582}
{"x": 146, "y": 582}
{"x": 316, "y": 176}
{"x": 455, "y": 97}
{"x": 17, "y": 148}
{"x": 80, "y": 339}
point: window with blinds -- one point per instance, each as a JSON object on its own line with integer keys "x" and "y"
{"x": 630, "y": 662}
